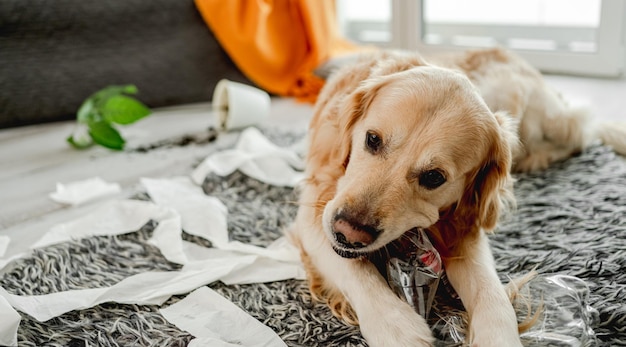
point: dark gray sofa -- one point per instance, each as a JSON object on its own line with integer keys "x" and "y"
{"x": 54, "y": 54}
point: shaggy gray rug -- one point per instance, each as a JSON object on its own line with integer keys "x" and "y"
{"x": 571, "y": 219}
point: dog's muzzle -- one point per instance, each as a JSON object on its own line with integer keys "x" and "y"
{"x": 351, "y": 236}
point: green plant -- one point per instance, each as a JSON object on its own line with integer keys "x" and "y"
{"x": 98, "y": 113}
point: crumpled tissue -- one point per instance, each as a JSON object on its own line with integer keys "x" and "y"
{"x": 80, "y": 192}
{"x": 257, "y": 157}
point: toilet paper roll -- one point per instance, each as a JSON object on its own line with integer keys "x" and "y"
{"x": 237, "y": 105}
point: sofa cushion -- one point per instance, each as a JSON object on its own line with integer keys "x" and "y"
{"x": 55, "y": 54}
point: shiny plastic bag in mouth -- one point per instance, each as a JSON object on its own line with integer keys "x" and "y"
{"x": 414, "y": 269}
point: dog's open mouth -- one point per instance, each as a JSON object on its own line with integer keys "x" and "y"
{"x": 353, "y": 253}
{"x": 400, "y": 245}
{"x": 350, "y": 253}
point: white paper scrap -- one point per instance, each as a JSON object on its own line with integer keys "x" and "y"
{"x": 4, "y": 243}
{"x": 10, "y": 322}
{"x": 262, "y": 270}
{"x": 215, "y": 321}
{"x": 177, "y": 204}
{"x": 205, "y": 216}
{"x": 79, "y": 192}
{"x": 257, "y": 157}
{"x": 120, "y": 217}
{"x": 4, "y": 262}
{"x": 265, "y": 270}
{"x": 202, "y": 215}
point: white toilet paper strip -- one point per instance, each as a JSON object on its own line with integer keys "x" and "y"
{"x": 205, "y": 216}
{"x": 178, "y": 205}
{"x": 184, "y": 205}
{"x": 215, "y": 321}
{"x": 202, "y": 215}
{"x": 9, "y": 322}
{"x": 257, "y": 157}
{"x": 4, "y": 243}
{"x": 148, "y": 288}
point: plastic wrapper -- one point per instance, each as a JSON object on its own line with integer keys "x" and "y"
{"x": 555, "y": 306}
{"x": 566, "y": 319}
{"x": 414, "y": 270}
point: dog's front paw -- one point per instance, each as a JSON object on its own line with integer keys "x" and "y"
{"x": 397, "y": 325}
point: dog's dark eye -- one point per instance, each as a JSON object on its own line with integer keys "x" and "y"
{"x": 432, "y": 179}
{"x": 373, "y": 142}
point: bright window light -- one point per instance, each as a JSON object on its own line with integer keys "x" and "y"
{"x": 571, "y": 36}
{"x": 578, "y": 13}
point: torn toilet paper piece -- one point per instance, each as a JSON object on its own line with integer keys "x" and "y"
{"x": 262, "y": 270}
{"x": 237, "y": 263}
{"x": 112, "y": 218}
{"x": 257, "y": 157}
{"x": 204, "y": 266}
{"x": 215, "y": 321}
{"x": 80, "y": 192}
{"x": 10, "y": 322}
{"x": 148, "y": 288}
{"x": 121, "y": 217}
{"x": 205, "y": 216}
{"x": 6, "y": 261}
{"x": 124, "y": 216}
{"x": 201, "y": 215}
{"x": 4, "y": 243}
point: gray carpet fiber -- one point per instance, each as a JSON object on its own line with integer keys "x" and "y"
{"x": 571, "y": 219}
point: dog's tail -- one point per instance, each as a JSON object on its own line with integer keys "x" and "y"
{"x": 574, "y": 127}
{"x": 531, "y": 309}
{"x": 612, "y": 134}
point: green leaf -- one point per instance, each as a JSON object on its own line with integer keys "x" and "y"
{"x": 105, "y": 135}
{"x": 114, "y": 90}
{"x": 104, "y": 107}
{"x": 123, "y": 109}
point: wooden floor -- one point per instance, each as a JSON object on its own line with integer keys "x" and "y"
{"x": 33, "y": 159}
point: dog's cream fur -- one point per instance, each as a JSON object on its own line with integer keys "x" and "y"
{"x": 469, "y": 117}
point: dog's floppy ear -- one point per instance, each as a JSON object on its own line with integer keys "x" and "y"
{"x": 335, "y": 116}
{"x": 490, "y": 189}
{"x": 352, "y": 110}
{"x": 331, "y": 139}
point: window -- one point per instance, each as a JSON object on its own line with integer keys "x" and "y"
{"x": 564, "y": 36}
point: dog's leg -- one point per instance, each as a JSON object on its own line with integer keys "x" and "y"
{"x": 384, "y": 319}
{"x": 493, "y": 322}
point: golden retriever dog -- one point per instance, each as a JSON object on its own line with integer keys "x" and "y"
{"x": 397, "y": 143}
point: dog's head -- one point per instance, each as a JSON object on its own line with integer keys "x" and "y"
{"x": 422, "y": 150}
